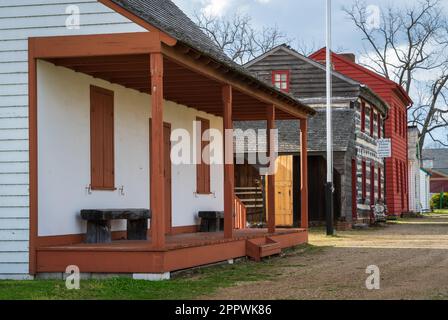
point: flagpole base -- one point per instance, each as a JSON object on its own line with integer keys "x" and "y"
{"x": 329, "y": 208}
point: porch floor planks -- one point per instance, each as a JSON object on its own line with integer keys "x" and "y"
{"x": 173, "y": 242}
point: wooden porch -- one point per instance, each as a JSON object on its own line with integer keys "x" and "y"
{"x": 181, "y": 251}
{"x": 158, "y": 65}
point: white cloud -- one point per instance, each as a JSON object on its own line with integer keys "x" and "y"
{"x": 216, "y": 8}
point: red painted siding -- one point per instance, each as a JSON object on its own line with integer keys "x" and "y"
{"x": 395, "y": 125}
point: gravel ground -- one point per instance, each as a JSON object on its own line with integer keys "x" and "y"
{"x": 412, "y": 256}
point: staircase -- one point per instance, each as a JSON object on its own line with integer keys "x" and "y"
{"x": 257, "y": 249}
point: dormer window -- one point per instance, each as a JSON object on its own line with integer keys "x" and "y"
{"x": 280, "y": 80}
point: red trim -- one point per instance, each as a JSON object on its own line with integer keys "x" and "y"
{"x": 379, "y": 184}
{"x": 372, "y": 184}
{"x": 364, "y": 181}
{"x": 363, "y": 116}
{"x": 279, "y": 83}
{"x": 379, "y": 125}
{"x": 372, "y": 121}
{"x": 354, "y": 190}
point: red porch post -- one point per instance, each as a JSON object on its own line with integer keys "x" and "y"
{"x": 304, "y": 173}
{"x": 157, "y": 157}
{"x": 270, "y": 116}
{"x": 229, "y": 170}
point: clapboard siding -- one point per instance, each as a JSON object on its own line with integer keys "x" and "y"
{"x": 58, "y": 21}
{"x": 14, "y": 190}
{"x": 14, "y": 134}
{"x": 13, "y": 123}
{"x": 20, "y": 20}
{"x": 13, "y": 67}
{"x": 16, "y": 212}
{"x": 14, "y": 112}
{"x": 13, "y": 268}
{"x": 14, "y": 234}
{"x": 14, "y": 156}
{"x": 19, "y": 257}
{"x": 14, "y": 167}
{"x": 14, "y": 223}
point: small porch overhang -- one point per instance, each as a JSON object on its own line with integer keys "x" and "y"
{"x": 153, "y": 63}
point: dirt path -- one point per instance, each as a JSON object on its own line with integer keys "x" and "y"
{"x": 412, "y": 256}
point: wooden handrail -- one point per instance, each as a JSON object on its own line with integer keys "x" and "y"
{"x": 240, "y": 214}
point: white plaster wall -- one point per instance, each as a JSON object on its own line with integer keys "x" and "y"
{"x": 64, "y": 154}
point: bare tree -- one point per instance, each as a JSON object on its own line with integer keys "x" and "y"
{"x": 238, "y": 38}
{"x": 406, "y": 44}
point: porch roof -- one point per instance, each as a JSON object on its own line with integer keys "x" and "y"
{"x": 165, "y": 16}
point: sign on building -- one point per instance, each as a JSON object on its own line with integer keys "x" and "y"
{"x": 384, "y": 148}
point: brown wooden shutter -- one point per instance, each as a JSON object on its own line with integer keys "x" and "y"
{"x": 379, "y": 126}
{"x": 364, "y": 181}
{"x": 203, "y": 169}
{"x": 102, "y": 157}
{"x": 379, "y": 184}
{"x": 363, "y": 117}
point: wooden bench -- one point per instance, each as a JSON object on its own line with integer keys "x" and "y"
{"x": 211, "y": 221}
{"x": 99, "y": 223}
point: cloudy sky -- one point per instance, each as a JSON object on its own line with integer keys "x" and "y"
{"x": 303, "y": 20}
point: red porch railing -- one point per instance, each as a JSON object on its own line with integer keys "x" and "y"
{"x": 240, "y": 214}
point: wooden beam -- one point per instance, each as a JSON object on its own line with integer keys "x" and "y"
{"x": 270, "y": 117}
{"x": 95, "y": 45}
{"x": 229, "y": 173}
{"x": 304, "y": 173}
{"x": 157, "y": 157}
{"x": 210, "y": 72}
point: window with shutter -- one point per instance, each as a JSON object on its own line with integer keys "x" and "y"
{"x": 372, "y": 121}
{"x": 102, "y": 154}
{"x": 203, "y": 164}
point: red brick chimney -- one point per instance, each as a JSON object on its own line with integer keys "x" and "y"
{"x": 349, "y": 56}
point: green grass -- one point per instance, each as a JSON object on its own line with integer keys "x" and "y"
{"x": 441, "y": 211}
{"x": 189, "y": 285}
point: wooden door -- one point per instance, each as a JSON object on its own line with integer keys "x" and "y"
{"x": 167, "y": 173}
{"x": 284, "y": 191}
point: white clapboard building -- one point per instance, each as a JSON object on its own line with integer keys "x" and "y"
{"x": 81, "y": 73}
{"x": 419, "y": 177}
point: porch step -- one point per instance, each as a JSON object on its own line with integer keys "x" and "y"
{"x": 257, "y": 249}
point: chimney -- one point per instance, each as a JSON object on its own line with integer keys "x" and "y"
{"x": 349, "y": 56}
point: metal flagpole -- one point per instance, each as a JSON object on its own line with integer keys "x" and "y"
{"x": 329, "y": 190}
